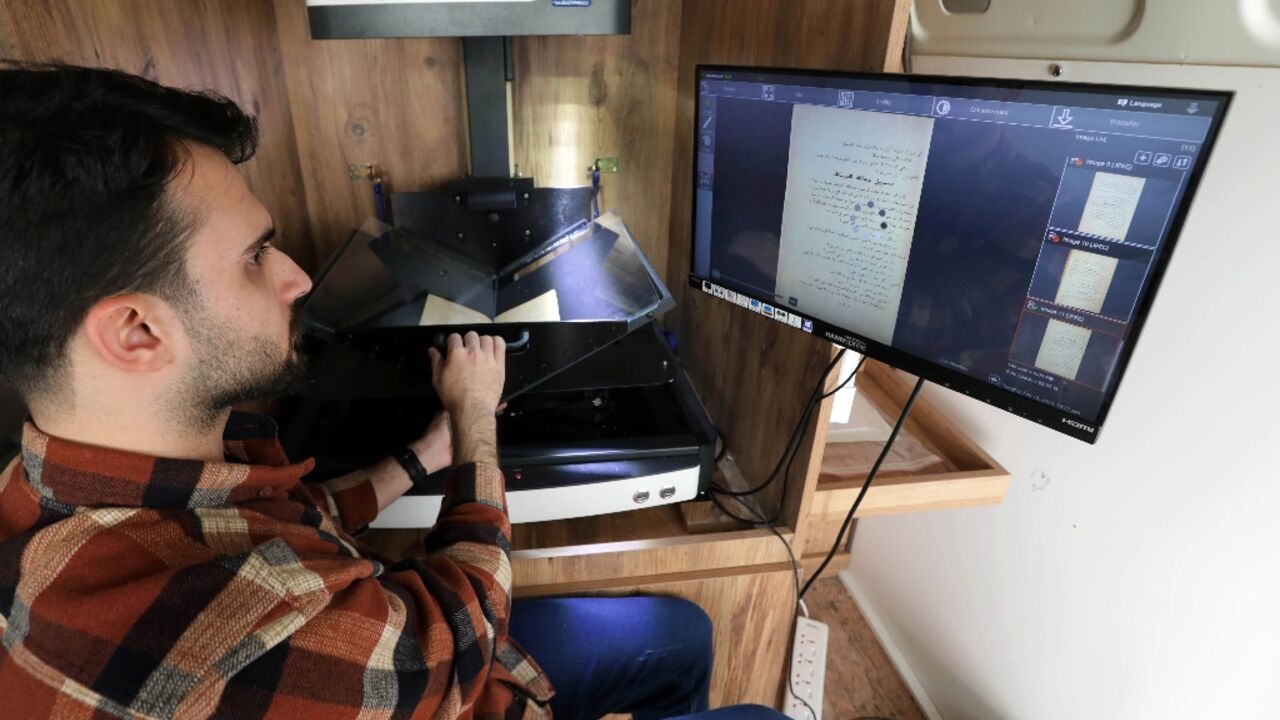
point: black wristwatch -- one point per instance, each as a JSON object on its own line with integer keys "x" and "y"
{"x": 408, "y": 460}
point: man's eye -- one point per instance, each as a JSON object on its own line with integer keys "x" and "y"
{"x": 260, "y": 253}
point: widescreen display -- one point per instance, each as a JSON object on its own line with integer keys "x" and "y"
{"x": 1002, "y": 238}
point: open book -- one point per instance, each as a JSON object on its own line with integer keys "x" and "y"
{"x": 568, "y": 279}
{"x": 439, "y": 311}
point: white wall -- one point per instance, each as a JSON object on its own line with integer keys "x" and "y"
{"x": 1138, "y": 578}
{"x": 1195, "y": 32}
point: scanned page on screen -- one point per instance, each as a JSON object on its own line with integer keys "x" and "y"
{"x": 1085, "y": 280}
{"x": 1110, "y": 206}
{"x": 1062, "y": 349}
{"x": 853, "y": 188}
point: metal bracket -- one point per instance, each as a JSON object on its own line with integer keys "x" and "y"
{"x": 362, "y": 171}
{"x": 605, "y": 165}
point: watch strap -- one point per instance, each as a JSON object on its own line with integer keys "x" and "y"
{"x": 408, "y": 460}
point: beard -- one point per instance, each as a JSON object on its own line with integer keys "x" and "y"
{"x": 232, "y": 367}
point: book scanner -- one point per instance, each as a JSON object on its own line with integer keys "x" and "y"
{"x": 600, "y": 417}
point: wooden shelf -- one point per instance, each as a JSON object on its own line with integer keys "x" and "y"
{"x": 582, "y": 554}
{"x": 965, "y": 475}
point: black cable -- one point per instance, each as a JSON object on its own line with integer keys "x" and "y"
{"x": 792, "y": 447}
{"x": 795, "y": 575}
{"x": 792, "y": 442}
{"x": 735, "y": 516}
{"x": 866, "y": 484}
{"x": 846, "y": 381}
{"x": 786, "y": 474}
{"x": 789, "y": 453}
{"x": 724, "y": 444}
{"x": 795, "y": 434}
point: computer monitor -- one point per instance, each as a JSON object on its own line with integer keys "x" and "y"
{"x": 1001, "y": 238}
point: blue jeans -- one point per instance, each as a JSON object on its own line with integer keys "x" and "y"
{"x": 648, "y": 656}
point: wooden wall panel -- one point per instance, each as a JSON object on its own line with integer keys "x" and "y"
{"x": 396, "y": 103}
{"x": 754, "y": 375}
{"x": 579, "y": 98}
{"x": 229, "y": 46}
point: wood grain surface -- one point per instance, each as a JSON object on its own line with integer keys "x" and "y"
{"x": 576, "y": 99}
{"x": 394, "y": 103}
{"x": 228, "y": 46}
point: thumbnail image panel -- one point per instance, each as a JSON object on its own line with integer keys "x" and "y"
{"x": 1110, "y": 205}
{"x": 1093, "y": 282}
{"x": 1069, "y": 351}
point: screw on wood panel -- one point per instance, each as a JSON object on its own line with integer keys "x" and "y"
{"x": 1055, "y": 70}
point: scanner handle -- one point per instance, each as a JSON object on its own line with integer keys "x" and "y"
{"x": 520, "y": 344}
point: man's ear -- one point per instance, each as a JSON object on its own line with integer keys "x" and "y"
{"x": 133, "y": 332}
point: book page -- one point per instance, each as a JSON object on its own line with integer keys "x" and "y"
{"x": 853, "y": 188}
{"x": 1062, "y": 348}
{"x": 1085, "y": 280}
{"x": 438, "y": 311}
{"x": 543, "y": 308}
{"x": 1112, "y": 201}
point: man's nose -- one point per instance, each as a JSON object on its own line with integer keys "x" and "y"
{"x": 296, "y": 282}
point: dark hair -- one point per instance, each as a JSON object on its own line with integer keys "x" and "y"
{"x": 85, "y": 157}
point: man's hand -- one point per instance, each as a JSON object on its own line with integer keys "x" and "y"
{"x": 469, "y": 380}
{"x": 435, "y": 448}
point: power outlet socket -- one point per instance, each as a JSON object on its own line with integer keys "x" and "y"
{"x": 808, "y": 669}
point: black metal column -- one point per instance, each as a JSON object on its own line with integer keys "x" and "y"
{"x": 487, "y": 69}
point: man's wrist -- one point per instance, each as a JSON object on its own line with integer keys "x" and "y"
{"x": 475, "y": 433}
{"x": 409, "y": 460}
{"x": 472, "y": 409}
{"x": 428, "y": 457}
{"x": 389, "y": 480}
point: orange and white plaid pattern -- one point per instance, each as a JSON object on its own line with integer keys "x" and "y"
{"x": 142, "y": 587}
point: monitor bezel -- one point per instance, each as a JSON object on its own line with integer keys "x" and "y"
{"x": 1022, "y": 406}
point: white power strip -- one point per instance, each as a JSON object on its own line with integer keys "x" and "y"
{"x": 808, "y": 668}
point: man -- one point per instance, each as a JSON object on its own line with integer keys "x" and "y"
{"x": 159, "y": 555}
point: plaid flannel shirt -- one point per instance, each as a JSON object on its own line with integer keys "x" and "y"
{"x": 142, "y": 587}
